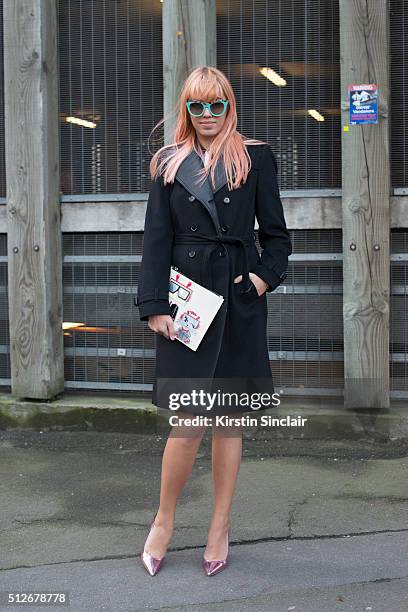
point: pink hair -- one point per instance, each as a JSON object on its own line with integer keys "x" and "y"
{"x": 205, "y": 83}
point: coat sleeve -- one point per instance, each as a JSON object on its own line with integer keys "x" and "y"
{"x": 274, "y": 237}
{"x": 153, "y": 288}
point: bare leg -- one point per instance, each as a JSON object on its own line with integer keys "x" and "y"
{"x": 178, "y": 460}
{"x": 226, "y": 461}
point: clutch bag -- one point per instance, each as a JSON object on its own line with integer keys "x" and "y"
{"x": 193, "y": 308}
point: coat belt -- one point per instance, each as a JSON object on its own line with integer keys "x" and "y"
{"x": 190, "y": 238}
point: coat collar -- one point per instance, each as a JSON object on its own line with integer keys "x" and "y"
{"x": 187, "y": 176}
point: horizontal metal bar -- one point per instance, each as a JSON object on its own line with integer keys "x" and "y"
{"x": 82, "y": 351}
{"x": 399, "y": 357}
{"x": 5, "y": 382}
{"x": 400, "y": 191}
{"x": 114, "y": 197}
{"x": 102, "y": 258}
{"x": 99, "y": 289}
{"x": 296, "y": 257}
{"x": 332, "y": 257}
{"x": 399, "y": 256}
{"x": 399, "y": 394}
{"x": 105, "y": 197}
{"x": 310, "y": 193}
{"x": 306, "y": 355}
{"x": 309, "y": 391}
{"x": 80, "y": 384}
{"x": 323, "y": 289}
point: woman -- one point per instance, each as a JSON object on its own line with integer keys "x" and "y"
{"x": 207, "y": 188}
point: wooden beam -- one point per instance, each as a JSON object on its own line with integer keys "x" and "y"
{"x": 189, "y": 41}
{"x": 33, "y": 209}
{"x": 364, "y": 58}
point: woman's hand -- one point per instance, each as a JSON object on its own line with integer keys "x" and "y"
{"x": 162, "y": 324}
{"x": 260, "y": 285}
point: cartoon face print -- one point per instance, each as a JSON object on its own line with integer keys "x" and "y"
{"x": 188, "y": 322}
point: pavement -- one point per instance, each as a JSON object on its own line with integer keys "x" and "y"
{"x": 319, "y": 520}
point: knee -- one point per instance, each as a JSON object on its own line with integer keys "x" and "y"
{"x": 189, "y": 434}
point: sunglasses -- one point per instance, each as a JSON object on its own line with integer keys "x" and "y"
{"x": 196, "y": 108}
{"x": 183, "y": 292}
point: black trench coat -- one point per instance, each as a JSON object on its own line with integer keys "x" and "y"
{"x": 209, "y": 235}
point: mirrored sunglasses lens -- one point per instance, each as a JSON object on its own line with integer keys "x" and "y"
{"x": 217, "y": 108}
{"x": 196, "y": 109}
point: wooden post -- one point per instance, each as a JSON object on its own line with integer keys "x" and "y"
{"x": 189, "y": 41}
{"x": 33, "y": 209}
{"x": 365, "y": 57}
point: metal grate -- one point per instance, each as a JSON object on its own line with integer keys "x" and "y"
{"x": 399, "y": 98}
{"x": 110, "y": 56}
{"x": 4, "y": 318}
{"x": 399, "y": 313}
{"x": 2, "y": 128}
{"x": 106, "y": 346}
{"x": 299, "y": 40}
{"x": 110, "y": 348}
{"x": 305, "y": 316}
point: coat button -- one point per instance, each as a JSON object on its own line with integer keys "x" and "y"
{"x": 227, "y": 200}
{"x": 191, "y": 253}
{"x": 191, "y": 198}
{"x": 224, "y": 228}
{"x": 222, "y": 253}
{"x": 194, "y": 228}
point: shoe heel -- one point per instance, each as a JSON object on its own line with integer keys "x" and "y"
{"x": 151, "y": 564}
{"x": 214, "y": 567}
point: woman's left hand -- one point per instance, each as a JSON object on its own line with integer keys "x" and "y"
{"x": 260, "y": 285}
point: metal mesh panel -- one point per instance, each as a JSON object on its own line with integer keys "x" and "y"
{"x": 305, "y": 316}
{"x": 399, "y": 98}
{"x": 298, "y": 40}
{"x": 2, "y": 135}
{"x": 110, "y": 75}
{"x": 4, "y": 318}
{"x": 108, "y": 347}
{"x": 399, "y": 313}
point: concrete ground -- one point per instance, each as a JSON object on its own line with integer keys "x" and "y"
{"x": 319, "y": 520}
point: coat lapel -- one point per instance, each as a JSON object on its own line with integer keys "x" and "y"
{"x": 187, "y": 176}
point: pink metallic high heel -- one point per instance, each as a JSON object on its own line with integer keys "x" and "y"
{"x": 152, "y": 564}
{"x": 213, "y": 567}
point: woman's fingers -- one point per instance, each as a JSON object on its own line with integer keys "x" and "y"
{"x": 171, "y": 332}
{"x": 238, "y": 279}
{"x": 162, "y": 324}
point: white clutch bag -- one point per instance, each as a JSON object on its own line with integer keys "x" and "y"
{"x": 193, "y": 308}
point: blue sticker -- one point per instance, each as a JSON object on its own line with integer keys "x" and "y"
{"x": 363, "y": 103}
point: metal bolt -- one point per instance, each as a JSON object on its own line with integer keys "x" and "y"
{"x": 352, "y": 246}
{"x": 36, "y": 247}
{"x": 15, "y": 249}
{"x": 376, "y": 247}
